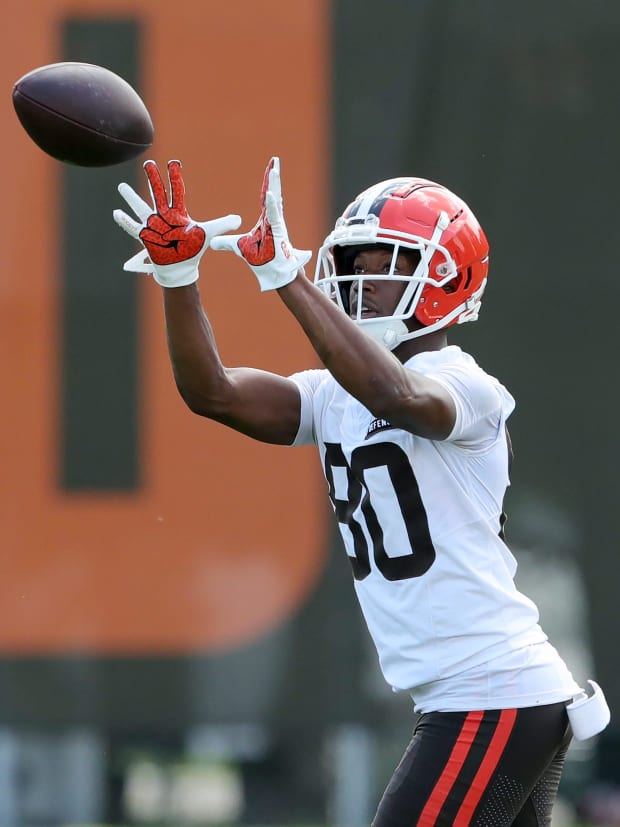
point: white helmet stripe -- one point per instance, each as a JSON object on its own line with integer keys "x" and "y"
{"x": 366, "y": 201}
{"x": 368, "y": 198}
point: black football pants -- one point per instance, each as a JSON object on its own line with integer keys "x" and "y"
{"x": 498, "y": 768}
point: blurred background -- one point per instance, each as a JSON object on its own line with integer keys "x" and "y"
{"x": 179, "y": 639}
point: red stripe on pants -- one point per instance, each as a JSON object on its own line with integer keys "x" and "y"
{"x": 487, "y": 767}
{"x": 447, "y": 779}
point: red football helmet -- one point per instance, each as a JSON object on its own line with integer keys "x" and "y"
{"x": 412, "y": 213}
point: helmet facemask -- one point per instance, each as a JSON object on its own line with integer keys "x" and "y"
{"x": 435, "y": 269}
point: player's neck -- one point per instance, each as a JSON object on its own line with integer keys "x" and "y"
{"x": 411, "y": 347}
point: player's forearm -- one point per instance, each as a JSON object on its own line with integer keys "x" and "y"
{"x": 198, "y": 371}
{"x": 256, "y": 403}
{"x": 362, "y": 366}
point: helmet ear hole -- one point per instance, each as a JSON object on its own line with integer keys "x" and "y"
{"x": 461, "y": 281}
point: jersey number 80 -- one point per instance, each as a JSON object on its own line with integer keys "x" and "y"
{"x": 421, "y": 553}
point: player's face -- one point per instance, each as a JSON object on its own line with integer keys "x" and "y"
{"x": 379, "y": 297}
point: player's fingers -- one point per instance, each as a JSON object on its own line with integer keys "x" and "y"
{"x": 152, "y": 237}
{"x": 265, "y": 185}
{"x": 137, "y": 204}
{"x": 274, "y": 183}
{"x": 274, "y": 214}
{"x": 126, "y": 223}
{"x": 228, "y": 243}
{"x": 158, "y": 224}
{"x": 177, "y": 187}
{"x": 139, "y": 263}
{"x": 193, "y": 236}
{"x": 219, "y": 226}
{"x": 156, "y": 185}
{"x": 177, "y": 233}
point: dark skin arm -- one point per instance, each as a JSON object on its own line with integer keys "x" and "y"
{"x": 367, "y": 370}
{"x": 266, "y": 406}
{"x": 261, "y": 405}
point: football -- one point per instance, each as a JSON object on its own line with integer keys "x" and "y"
{"x": 83, "y": 114}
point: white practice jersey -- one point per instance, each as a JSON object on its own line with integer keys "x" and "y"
{"x": 421, "y": 524}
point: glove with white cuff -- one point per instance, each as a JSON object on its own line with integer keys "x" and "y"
{"x": 173, "y": 242}
{"x": 266, "y": 248}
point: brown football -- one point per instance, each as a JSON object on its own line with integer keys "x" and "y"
{"x": 83, "y": 114}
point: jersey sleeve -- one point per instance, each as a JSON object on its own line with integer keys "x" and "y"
{"x": 482, "y": 404}
{"x": 307, "y": 381}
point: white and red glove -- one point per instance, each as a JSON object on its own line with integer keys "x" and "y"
{"x": 266, "y": 248}
{"x": 172, "y": 241}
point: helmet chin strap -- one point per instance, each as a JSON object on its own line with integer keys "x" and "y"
{"x": 392, "y": 332}
{"x": 388, "y": 332}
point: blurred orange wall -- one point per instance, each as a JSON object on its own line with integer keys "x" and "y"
{"x": 226, "y": 537}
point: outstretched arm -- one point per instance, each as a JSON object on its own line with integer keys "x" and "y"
{"x": 366, "y": 369}
{"x": 262, "y": 405}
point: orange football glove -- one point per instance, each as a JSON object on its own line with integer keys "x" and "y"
{"x": 172, "y": 241}
{"x": 266, "y": 248}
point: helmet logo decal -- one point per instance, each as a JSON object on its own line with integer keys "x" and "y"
{"x": 286, "y": 249}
